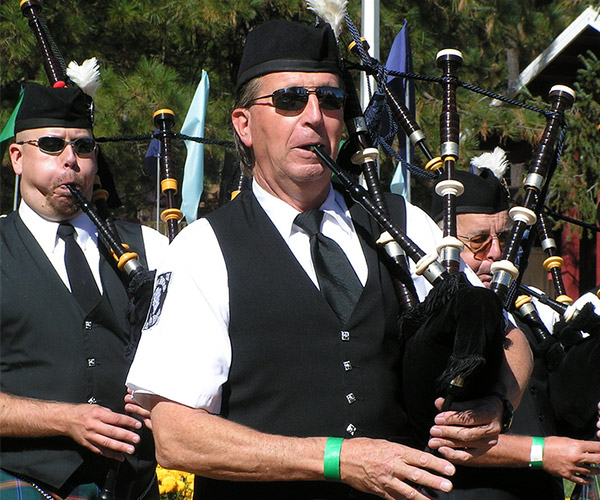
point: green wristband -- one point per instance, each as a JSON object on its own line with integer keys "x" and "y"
{"x": 536, "y": 457}
{"x": 331, "y": 459}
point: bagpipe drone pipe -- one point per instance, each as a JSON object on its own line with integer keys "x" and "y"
{"x": 453, "y": 340}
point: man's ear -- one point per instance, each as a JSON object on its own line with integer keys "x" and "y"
{"x": 15, "y": 153}
{"x": 240, "y": 117}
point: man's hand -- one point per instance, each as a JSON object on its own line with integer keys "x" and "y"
{"x": 96, "y": 428}
{"x": 468, "y": 430}
{"x": 133, "y": 407}
{"x": 103, "y": 431}
{"x": 571, "y": 458}
{"x": 382, "y": 467}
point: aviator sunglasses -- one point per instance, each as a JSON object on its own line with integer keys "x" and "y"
{"x": 295, "y": 98}
{"x": 480, "y": 243}
{"x": 56, "y": 145}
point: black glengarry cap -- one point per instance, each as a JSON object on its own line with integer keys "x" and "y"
{"x": 484, "y": 194}
{"x": 281, "y": 45}
{"x": 44, "y": 107}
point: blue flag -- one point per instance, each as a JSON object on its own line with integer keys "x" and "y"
{"x": 152, "y": 157}
{"x": 400, "y": 59}
{"x": 193, "y": 170}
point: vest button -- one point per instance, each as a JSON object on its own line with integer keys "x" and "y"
{"x": 88, "y": 325}
{"x": 351, "y": 429}
{"x": 347, "y": 365}
{"x": 91, "y": 362}
{"x": 92, "y": 400}
{"x": 351, "y": 398}
{"x": 345, "y": 336}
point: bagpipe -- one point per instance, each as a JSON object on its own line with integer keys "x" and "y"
{"x": 453, "y": 340}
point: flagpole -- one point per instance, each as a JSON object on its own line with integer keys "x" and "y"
{"x": 370, "y": 31}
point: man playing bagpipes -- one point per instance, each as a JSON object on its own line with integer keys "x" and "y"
{"x": 64, "y": 319}
{"x": 251, "y": 357}
{"x": 536, "y": 440}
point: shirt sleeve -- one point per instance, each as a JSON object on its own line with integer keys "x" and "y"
{"x": 155, "y": 245}
{"x": 184, "y": 353}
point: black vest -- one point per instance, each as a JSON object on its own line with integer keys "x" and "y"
{"x": 295, "y": 369}
{"x": 52, "y": 351}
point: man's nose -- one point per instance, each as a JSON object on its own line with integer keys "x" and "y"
{"x": 495, "y": 251}
{"x": 68, "y": 156}
{"x": 312, "y": 111}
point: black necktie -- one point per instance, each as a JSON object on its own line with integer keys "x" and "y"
{"x": 337, "y": 279}
{"x": 83, "y": 284}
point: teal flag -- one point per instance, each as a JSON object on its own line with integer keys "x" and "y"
{"x": 193, "y": 170}
{"x": 8, "y": 131}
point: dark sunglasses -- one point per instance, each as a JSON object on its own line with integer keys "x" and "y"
{"x": 482, "y": 242}
{"x": 295, "y": 98}
{"x": 56, "y": 145}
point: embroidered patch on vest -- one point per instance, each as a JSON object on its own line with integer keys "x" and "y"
{"x": 158, "y": 300}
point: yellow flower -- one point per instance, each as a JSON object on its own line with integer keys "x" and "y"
{"x": 174, "y": 484}
{"x": 168, "y": 484}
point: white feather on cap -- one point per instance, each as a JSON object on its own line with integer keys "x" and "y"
{"x": 495, "y": 161}
{"x": 330, "y": 11}
{"x": 86, "y": 76}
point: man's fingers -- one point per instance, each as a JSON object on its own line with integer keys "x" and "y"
{"x": 408, "y": 491}
{"x": 485, "y": 435}
{"x": 106, "y": 432}
{"x": 579, "y": 478}
{"x": 392, "y": 470}
{"x": 120, "y": 420}
{"x": 424, "y": 478}
{"x": 458, "y": 454}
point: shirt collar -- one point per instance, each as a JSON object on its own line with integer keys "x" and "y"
{"x": 282, "y": 215}
{"x": 45, "y": 231}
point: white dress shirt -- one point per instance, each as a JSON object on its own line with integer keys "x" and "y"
{"x": 46, "y": 234}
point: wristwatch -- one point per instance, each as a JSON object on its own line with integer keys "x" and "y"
{"x": 508, "y": 411}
